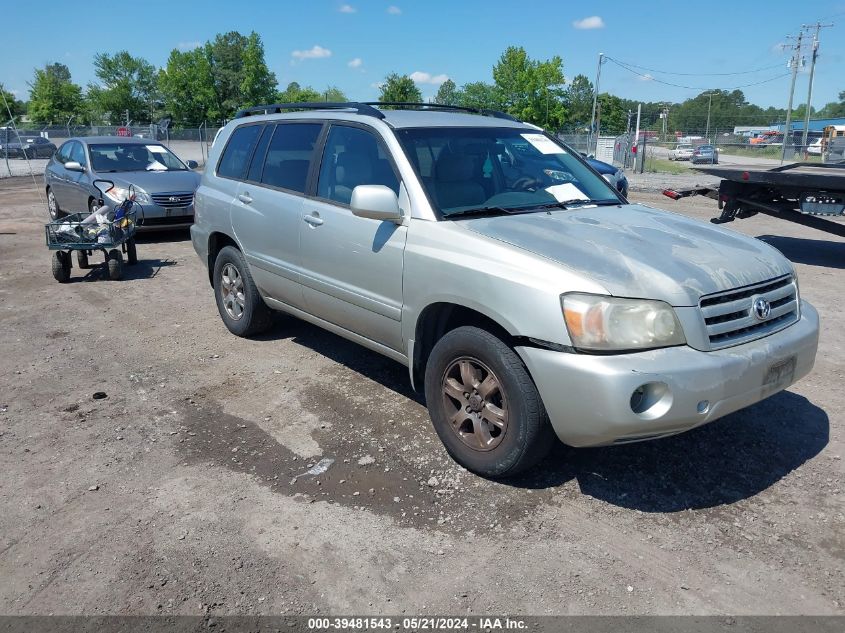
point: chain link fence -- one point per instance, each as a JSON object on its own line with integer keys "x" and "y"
{"x": 186, "y": 143}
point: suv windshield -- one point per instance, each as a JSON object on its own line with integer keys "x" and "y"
{"x": 506, "y": 169}
{"x": 115, "y": 157}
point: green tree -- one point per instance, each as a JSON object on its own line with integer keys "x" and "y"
{"x": 833, "y": 109}
{"x": 258, "y": 84}
{"x": 335, "y": 94}
{"x": 479, "y": 95}
{"x": 612, "y": 113}
{"x": 531, "y": 90}
{"x": 187, "y": 87}
{"x": 129, "y": 87}
{"x": 400, "y": 88}
{"x": 447, "y": 93}
{"x": 9, "y": 105}
{"x": 578, "y": 99}
{"x": 53, "y": 97}
{"x": 294, "y": 93}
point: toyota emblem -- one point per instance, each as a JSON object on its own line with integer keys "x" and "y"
{"x": 173, "y": 199}
{"x": 761, "y": 309}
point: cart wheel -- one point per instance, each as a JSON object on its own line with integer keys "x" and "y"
{"x": 61, "y": 266}
{"x": 114, "y": 259}
{"x": 82, "y": 259}
{"x": 131, "y": 252}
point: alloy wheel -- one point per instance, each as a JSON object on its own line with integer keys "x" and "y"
{"x": 476, "y": 405}
{"x": 232, "y": 291}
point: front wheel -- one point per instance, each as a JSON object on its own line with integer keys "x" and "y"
{"x": 238, "y": 301}
{"x": 484, "y": 405}
{"x": 53, "y": 206}
{"x": 131, "y": 252}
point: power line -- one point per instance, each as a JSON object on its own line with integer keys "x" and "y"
{"x": 674, "y": 85}
{"x": 667, "y": 72}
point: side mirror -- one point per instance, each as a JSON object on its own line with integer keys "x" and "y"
{"x": 72, "y": 165}
{"x": 376, "y": 202}
{"x": 192, "y": 164}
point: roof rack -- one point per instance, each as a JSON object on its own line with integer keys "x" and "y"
{"x": 274, "y": 108}
{"x": 439, "y": 106}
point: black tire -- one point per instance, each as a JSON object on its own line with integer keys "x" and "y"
{"x": 253, "y": 317}
{"x": 82, "y": 259}
{"x": 114, "y": 261}
{"x": 53, "y": 206}
{"x": 131, "y": 252}
{"x": 61, "y": 266}
{"x": 527, "y": 436}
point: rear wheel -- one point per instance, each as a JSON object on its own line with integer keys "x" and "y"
{"x": 131, "y": 252}
{"x": 61, "y": 266}
{"x": 238, "y": 301}
{"x": 114, "y": 261}
{"x": 82, "y": 259}
{"x": 484, "y": 405}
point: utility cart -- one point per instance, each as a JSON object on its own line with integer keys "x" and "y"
{"x": 811, "y": 194}
{"x": 85, "y": 234}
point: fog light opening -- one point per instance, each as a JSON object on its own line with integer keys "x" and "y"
{"x": 703, "y": 407}
{"x": 651, "y": 400}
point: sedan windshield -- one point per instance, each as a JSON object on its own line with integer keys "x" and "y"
{"x": 500, "y": 170}
{"x": 117, "y": 157}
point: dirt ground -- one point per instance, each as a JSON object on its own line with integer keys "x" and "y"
{"x": 184, "y": 491}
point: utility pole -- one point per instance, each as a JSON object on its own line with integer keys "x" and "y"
{"x": 709, "y": 104}
{"x": 818, "y": 26}
{"x": 794, "y": 61}
{"x": 593, "y": 127}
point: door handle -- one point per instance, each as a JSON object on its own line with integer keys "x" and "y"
{"x": 313, "y": 220}
{"x": 245, "y": 198}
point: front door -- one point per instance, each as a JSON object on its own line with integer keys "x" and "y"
{"x": 351, "y": 266}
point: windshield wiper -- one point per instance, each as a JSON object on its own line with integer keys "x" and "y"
{"x": 567, "y": 204}
{"x": 480, "y": 211}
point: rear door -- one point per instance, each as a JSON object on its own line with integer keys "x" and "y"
{"x": 268, "y": 207}
{"x": 351, "y": 266}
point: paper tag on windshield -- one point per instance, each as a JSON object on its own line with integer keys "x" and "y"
{"x": 158, "y": 149}
{"x": 566, "y": 191}
{"x": 543, "y": 144}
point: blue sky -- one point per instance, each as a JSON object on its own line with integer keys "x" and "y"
{"x": 354, "y": 43}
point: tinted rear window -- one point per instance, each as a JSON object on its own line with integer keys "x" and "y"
{"x": 289, "y": 155}
{"x": 238, "y": 150}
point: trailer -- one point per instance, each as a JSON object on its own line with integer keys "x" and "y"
{"x": 811, "y": 194}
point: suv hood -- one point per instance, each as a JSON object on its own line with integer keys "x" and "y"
{"x": 636, "y": 251}
{"x": 155, "y": 181}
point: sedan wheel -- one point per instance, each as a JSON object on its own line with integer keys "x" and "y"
{"x": 53, "y": 206}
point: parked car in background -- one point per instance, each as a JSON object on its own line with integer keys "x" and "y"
{"x": 815, "y": 148}
{"x": 612, "y": 174}
{"x": 164, "y": 185}
{"x": 521, "y": 291}
{"x": 26, "y": 146}
{"x": 681, "y": 152}
{"x": 705, "y": 154}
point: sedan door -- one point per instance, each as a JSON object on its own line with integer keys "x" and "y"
{"x": 352, "y": 266}
{"x": 78, "y": 182}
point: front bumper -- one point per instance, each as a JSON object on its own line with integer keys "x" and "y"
{"x": 156, "y": 218}
{"x": 589, "y": 397}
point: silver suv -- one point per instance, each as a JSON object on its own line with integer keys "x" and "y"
{"x": 521, "y": 291}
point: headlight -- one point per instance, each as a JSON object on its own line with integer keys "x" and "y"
{"x": 603, "y": 324}
{"x": 609, "y": 178}
{"x": 119, "y": 194}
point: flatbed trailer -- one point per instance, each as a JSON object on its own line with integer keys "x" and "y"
{"x": 811, "y": 194}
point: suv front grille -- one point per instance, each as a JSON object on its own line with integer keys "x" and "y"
{"x": 730, "y": 319}
{"x": 173, "y": 200}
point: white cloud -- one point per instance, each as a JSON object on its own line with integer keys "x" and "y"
{"x": 420, "y": 77}
{"x": 592, "y": 22}
{"x": 645, "y": 77}
{"x": 394, "y": 10}
{"x": 315, "y": 52}
{"x": 355, "y": 63}
{"x": 376, "y": 84}
{"x": 188, "y": 46}
{"x": 347, "y": 8}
